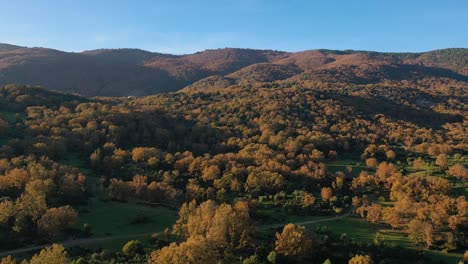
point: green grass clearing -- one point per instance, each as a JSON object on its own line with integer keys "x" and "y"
{"x": 118, "y": 243}
{"x": 361, "y": 231}
{"x": 356, "y": 229}
{"x": 342, "y": 165}
{"x": 275, "y": 215}
{"x": 113, "y": 218}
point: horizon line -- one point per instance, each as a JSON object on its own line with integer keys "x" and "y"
{"x": 221, "y": 48}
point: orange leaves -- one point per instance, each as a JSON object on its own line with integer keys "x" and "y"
{"x": 294, "y": 241}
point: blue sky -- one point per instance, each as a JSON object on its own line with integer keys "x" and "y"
{"x": 189, "y": 26}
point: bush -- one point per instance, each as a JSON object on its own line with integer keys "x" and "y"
{"x": 339, "y": 210}
{"x": 251, "y": 260}
{"x": 140, "y": 218}
{"x": 133, "y": 248}
{"x": 272, "y": 257}
{"x": 87, "y": 229}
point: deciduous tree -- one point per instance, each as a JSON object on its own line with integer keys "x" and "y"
{"x": 361, "y": 259}
{"x": 294, "y": 241}
{"x": 55, "y": 254}
{"x": 55, "y": 220}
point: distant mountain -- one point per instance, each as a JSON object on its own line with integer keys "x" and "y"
{"x": 120, "y": 72}
{"x": 454, "y": 59}
{"x": 8, "y": 47}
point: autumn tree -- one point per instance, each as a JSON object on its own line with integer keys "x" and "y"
{"x": 96, "y": 158}
{"x": 139, "y": 184}
{"x": 7, "y": 212}
{"x": 442, "y": 161}
{"x": 326, "y": 193}
{"x": 419, "y": 163}
{"x": 8, "y": 260}
{"x": 420, "y": 232}
{"x": 223, "y": 225}
{"x": 294, "y": 241}
{"x": 308, "y": 199}
{"x": 196, "y": 250}
{"x": 316, "y": 155}
{"x": 29, "y": 209}
{"x": 332, "y": 154}
{"x": 374, "y": 213}
{"x": 144, "y": 154}
{"x": 385, "y": 170}
{"x": 120, "y": 190}
{"x": 371, "y": 162}
{"x": 361, "y": 259}
{"x": 392, "y": 217}
{"x": 211, "y": 173}
{"x": 391, "y": 155}
{"x": 458, "y": 170}
{"x": 161, "y": 192}
{"x": 55, "y": 220}
{"x": 55, "y": 254}
{"x": 264, "y": 181}
{"x": 185, "y": 211}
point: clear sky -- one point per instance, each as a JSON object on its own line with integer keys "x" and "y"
{"x": 175, "y": 26}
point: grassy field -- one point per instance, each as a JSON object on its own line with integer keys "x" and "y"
{"x": 275, "y": 215}
{"x": 80, "y": 162}
{"x": 343, "y": 164}
{"x": 118, "y": 243}
{"x": 355, "y": 228}
{"x": 361, "y": 231}
{"x": 75, "y": 160}
{"x": 114, "y": 219}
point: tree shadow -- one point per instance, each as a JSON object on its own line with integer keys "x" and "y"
{"x": 372, "y": 106}
{"x": 412, "y": 71}
{"x": 378, "y": 73}
{"x": 168, "y": 132}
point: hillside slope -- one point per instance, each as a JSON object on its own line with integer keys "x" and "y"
{"x": 121, "y": 72}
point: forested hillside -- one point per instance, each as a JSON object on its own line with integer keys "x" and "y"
{"x": 123, "y": 72}
{"x": 313, "y": 157}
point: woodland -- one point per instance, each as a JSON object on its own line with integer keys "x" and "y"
{"x": 264, "y": 157}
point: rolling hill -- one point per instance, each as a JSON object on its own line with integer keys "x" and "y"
{"x": 121, "y": 72}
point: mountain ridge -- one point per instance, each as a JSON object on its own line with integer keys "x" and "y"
{"x": 121, "y": 72}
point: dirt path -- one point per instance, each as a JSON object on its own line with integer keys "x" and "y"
{"x": 84, "y": 241}
{"x": 309, "y": 222}
{"x": 72, "y": 243}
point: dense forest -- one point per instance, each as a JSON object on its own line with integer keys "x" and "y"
{"x": 263, "y": 157}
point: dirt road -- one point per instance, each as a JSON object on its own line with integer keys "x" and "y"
{"x": 84, "y": 241}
